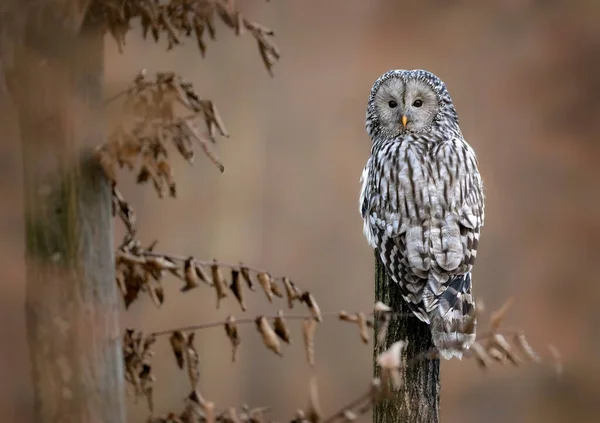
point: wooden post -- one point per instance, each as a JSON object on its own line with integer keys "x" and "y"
{"x": 56, "y": 82}
{"x": 419, "y": 400}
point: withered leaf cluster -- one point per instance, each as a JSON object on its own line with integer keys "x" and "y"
{"x": 137, "y": 271}
{"x": 176, "y": 20}
{"x": 274, "y": 330}
{"x": 141, "y": 269}
{"x": 361, "y": 320}
{"x": 496, "y": 345}
{"x": 139, "y": 376}
{"x": 349, "y": 413}
{"x": 186, "y": 355}
{"x": 138, "y": 367}
{"x": 490, "y": 346}
{"x": 121, "y": 208}
{"x": 390, "y": 362}
{"x": 199, "y": 410}
{"x": 161, "y": 113}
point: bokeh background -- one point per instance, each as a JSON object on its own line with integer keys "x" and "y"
{"x": 524, "y": 77}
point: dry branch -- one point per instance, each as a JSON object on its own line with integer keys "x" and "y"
{"x": 141, "y": 269}
{"x": 176, "y": 20}
{"x": 491, "y": 346}
{"x": 159, "y": 114}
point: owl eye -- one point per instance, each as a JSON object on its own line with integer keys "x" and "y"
{"x": 393, "y": 104}
{"x": 417, "y": 103}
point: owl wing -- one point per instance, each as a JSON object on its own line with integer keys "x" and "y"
{"x": 455, "y": 239}
{"x": 386, "y": 203}
{"x": 462, "y": 186}
{"x": 430, "y": 262}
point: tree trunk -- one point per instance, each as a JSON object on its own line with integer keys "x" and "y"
{"x": 418, "y": 401}
{"x": 56, "y": 83}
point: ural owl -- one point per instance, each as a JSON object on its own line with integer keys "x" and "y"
{"x": 422, "y": 202}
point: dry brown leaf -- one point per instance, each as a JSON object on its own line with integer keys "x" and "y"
{"x": 156, "y": 291}
{"x": 256, "y": 414}
{"x": 362, "y": 327}
{"x": 300, "y": 417}
{"x": 497, "y": 354}
{"x": 192, "y": 359}
{"x": 382, "y": 308}
{"x": 237, "y": 288}
{"x": 178, "y": 344}
{"x": 291, "y": 291}
{"x": 201, "y": 273}
{"x": 212, "y": 118}
{"x": 246, "y": 275}
{"x": 160, "y": 263}
{"x": 281, "y": 328}
{"x": 121, "y": 283}
{"x": 268, "y": 334}
{"x": 345, "y": 317}
{"x": 265, "y": 282}
{"x": 275, "y": 289}
{"x": 390, "y": 362}
{"x": 148, "y": 391}
{"x": 206, "y": 407}
{"x": 526, "y": 349}
{"x": 232, "y": 334}
{"x": 309, "y": 327}
{"x": 233, "y": 416}
{"x": 268, "y": 52}
{"x": 314, "y": 413}
{"x": 556, "y": 357}
{"x": 219, "y": 283}
{"x": 499, "y": 342}
{"x": 107, "y": 164}
{"x": 204, "y": 140}
{"x": 163, "y": 169}
{"x": 127, "y": 256}
{"x": 497, "y": 316}
{"x": 312, "y": 305}
{"x": 349, "y": 416}
{"x": 392, "y": 357}
{"x": 480, "y": 355}
{"x": 125, "y": 212}
{"x": 191, "y": 277}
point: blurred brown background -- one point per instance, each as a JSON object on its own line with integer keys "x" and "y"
{"x": 524, "y": 77}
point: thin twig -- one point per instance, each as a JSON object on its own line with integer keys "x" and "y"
{"x": 206, "y": 262}
{"x": 351, "y": 405}
{"x": 242, "y": 321}
{"x": 119, "y": 94}
{"x": 238, "y": 322}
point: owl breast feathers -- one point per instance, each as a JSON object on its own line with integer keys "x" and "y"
{"x": 422, "y": 202}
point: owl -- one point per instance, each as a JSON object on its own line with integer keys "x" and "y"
{"x": 422, "y": 202}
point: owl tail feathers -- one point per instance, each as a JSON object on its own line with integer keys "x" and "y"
{"x": 453, "y": 322}
{"x": 453, "y": 337}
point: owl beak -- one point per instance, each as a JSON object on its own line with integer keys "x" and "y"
{"x": 404, "y": 121}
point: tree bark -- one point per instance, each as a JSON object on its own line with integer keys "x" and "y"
{"x": 418, "y": 401}
{"x": 56, "y": 83}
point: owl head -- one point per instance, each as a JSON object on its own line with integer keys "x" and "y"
{"x": 408, "y": 101}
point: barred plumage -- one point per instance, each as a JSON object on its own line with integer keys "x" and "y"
{"x": 422, "y": 202}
